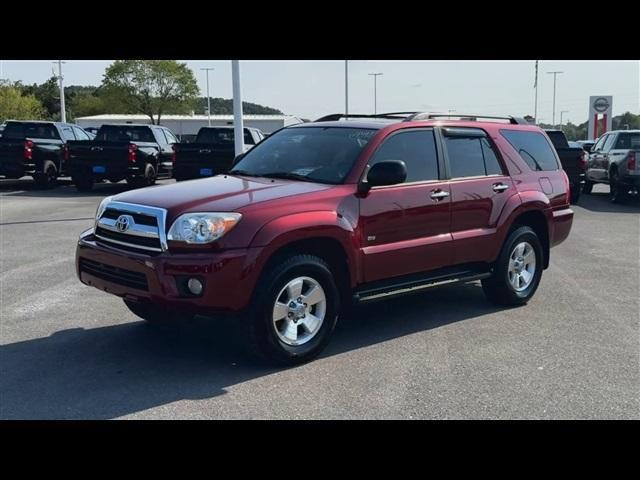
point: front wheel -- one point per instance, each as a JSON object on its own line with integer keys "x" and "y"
{"x": 517, "y": 271}
{"x": 295, "y": 311}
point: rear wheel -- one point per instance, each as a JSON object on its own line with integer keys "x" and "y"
{"x": 517, "y": 271}
{"x": 148, "y": 179}
{"x": 49, "y": 176}
{"x": 83, "y": 184}
{"x": 587, "y": 187}
{"x": 617, "y": 191}
{"x": 575, "y": 192}
{"x": 156, "y": 315}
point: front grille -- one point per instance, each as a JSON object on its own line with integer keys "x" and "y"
{"x": 133, "y": 240}
{"x": 117, "y": 275}
{"x": 138, "y": 217}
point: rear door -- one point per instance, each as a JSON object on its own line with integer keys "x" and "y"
{"x": 165, "y": 164}
{"x": 406, "y": 227}
{"x": 479, "y": 189}
{"x": 598, "y": 161}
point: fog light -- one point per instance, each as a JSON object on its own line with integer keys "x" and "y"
{"x": 195, "y": 286}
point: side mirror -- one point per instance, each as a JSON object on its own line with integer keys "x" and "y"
{"x": 388, "y": 172}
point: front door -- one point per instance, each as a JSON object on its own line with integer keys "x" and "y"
{"x": 406, "y": 227}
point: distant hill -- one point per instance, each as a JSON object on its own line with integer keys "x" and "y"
{"x": 223, "y": 106}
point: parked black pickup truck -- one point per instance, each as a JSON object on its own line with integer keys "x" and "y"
{"x": 37, "y": 148}
{"x": 212, "y": 152}
{"x": 138, "y": 153}
{"x": 573, "y": 160}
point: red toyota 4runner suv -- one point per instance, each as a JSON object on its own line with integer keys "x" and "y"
{"x": 326, "y": 213}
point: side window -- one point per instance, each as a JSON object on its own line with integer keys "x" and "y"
{"x": 67, "y": 133}
{"x": 491, "y": 162}
{"x": 159, "y": 134}
{"x": 417, "y": 149}
{"x": 599, "y": 143}
{"x": 248, "y": 138}
{"x": 80, "y": 135}
{"x": 534, "y": 149}
{"x": 171, "y": 138}
{"x": 608, "y": 143}
{"x": 465, "y": 156}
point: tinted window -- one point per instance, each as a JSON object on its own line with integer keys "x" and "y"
{"x": 491, "y": 162}
{"x": 22, "y": 130}
{"x": 465, "y": 156}
{"x": 557, "y": 138}
{"x": 248, "y": 138}
{"x": 80, "y": 134}
{"x": 628, "y": 141}
{"x": 534, "y": 149}
{"x": 222, "y": 137}
{"x": 321, "y": 154}
{"x": 124, "y": 133}
{"x": 417, "y": 149}
{"x": 67, "y": 133}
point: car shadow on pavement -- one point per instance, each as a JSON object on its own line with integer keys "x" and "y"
{"x": 108, "y": 372}
{"x": 599, "y": 202}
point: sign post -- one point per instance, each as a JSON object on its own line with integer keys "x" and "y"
{"x": 600, "y": 115}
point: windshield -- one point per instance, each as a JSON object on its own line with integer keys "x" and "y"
{"x": 315, "y": 154}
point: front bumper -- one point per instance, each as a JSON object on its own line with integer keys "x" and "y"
{"x": 227, "y": 279}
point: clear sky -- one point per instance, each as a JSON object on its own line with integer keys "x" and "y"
{"x": 314, "y": 88}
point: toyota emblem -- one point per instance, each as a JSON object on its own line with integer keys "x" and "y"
{"x": 123, "y": 223}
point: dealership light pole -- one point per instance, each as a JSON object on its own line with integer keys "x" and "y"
{"x": 63, "y": 112}
{"x": 346, "y": 89}
{"x": 535, "y": 104}
{"x": 375, "y": 91}
{"x": 238, "y": 126}
{"x": 555, "y": 75}
{"x": 208, "y": 96}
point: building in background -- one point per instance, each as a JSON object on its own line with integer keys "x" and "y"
{"x": 187, "y": 126}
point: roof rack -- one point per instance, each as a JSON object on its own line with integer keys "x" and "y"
{"x": 465, "y": 116}
{"x": 392, "y": 116}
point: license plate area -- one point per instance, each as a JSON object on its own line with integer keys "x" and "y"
{"x": 98, "y": 169}
{"x": 206, "y": 171}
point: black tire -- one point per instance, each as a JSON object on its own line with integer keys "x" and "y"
{"x": 498, "y": 288}
{"x": 146, "y": 180}
{"x": 49, "y": 176}
{"x": 156, "y": 315}
{"x": 575, "y": 193}
{"x": 617, "y": 191}
{"x": 261, "y": 334}
{"x": 83, "y": 184}
{"x": 587, "y": 187}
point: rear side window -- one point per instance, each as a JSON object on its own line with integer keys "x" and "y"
{"x": 22, "y": 130}
{"x": 608, "y": 143}
{"x": 471, "y": 157}
{"x": 171, "y": 138}
{"x": 248, "y": 138}
{"x": 67, "y": 133}
{"x": 628, "y": 141}
{"x": 534, "y": 149}
{"x": 80, "y": 134}
{"x": 417, "y": 149}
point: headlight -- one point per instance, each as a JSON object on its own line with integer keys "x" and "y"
{"x": 202, "y": 227}
{"x": 102, "y": 207}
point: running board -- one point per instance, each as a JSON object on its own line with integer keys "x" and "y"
{"x": 413, "y": 286}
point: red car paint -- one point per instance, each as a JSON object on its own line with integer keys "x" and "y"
{"x": 384, "y": 233}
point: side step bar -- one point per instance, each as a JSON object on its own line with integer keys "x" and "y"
{"x": 413, "y": 286}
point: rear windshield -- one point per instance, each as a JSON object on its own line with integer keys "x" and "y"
{"x": 221, "y": 137}
{"x": 22, "y": 130}
{"x": 628, "y": 141}
{"x": 558, "y": 139}
{"x": 534, "y": 149}
{"x": 124, "y": 133}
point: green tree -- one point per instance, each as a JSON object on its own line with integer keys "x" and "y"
{"x": 48, "y": 93}
{"x": 151, "y": 87}
{"x": 15, "y": 105}
{"x": 222, "y": 106}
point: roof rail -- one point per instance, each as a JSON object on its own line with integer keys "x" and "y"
{"x": 465, "y": 116}
{"x": 337, "y": 116}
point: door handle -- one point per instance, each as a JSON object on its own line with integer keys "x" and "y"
{"x": 438, "y": 194}
{"x": 500, "y": 187}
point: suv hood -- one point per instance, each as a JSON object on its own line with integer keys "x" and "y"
{"x": 222, "y": 193}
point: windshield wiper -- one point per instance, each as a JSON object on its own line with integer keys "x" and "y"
{"x": 288, "y": 175}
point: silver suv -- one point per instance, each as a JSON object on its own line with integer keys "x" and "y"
{"x": 614, "y": 160}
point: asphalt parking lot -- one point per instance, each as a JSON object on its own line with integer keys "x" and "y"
{"x": 73, "y": 352}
